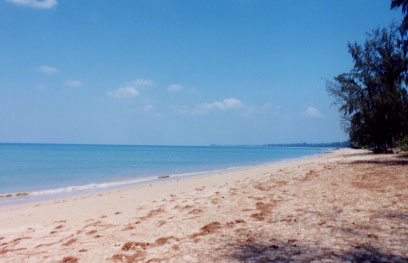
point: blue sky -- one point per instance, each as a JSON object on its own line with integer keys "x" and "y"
{"x": 176, "y": 72}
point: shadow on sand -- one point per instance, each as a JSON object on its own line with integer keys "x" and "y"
{"x": 366, "y": 153}
{"x": 286, "y": 251}
{"x": 388, "y": 162}
{"x": 397, "y": 215}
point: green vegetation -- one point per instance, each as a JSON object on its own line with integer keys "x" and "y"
{"x": 403, "y": 143}
{"x": 403, "y": 154}
{"x": 372, "y": 98}
{"x": 330, "y": 144}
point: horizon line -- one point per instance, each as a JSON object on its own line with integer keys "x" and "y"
{"x": 168, "y": 145}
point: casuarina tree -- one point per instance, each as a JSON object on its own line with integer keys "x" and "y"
{"x": 395, "y": 4}
{"x": 372, "y": 97}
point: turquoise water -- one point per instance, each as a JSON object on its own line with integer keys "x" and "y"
{"x": 44, "y": 169}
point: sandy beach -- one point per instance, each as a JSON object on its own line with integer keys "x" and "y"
{"x": 346, "y": 206}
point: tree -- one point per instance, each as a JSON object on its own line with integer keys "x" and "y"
{"x": 372, "y": 97}
{"x": 395, "y": 4}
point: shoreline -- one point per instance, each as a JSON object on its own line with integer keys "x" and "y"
{"x": 335, "y": 207}
{"x": 17, "y": 198}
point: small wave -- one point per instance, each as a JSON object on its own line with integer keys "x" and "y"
{"x": 87, "y": 187}
{"x": 100, "y": 186}
{"x": 207, "y": 172}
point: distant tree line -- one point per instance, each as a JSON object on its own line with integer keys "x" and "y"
{"x": 329, "y": 145}
{"x": 372, "y": 98}
{"x": 304, "y": 144}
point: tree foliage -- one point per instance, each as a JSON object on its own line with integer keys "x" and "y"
{"x": 395, "y": 4}
{"x": 372, "y": 97}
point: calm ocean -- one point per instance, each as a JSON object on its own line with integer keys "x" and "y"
{"x": 52, "y": 169}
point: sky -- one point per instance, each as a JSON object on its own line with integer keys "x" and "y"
{"x": 182, "y": 72}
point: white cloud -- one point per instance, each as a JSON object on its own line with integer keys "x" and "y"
{"x": 73, "y": 83}
{"x": 47, "y": 69}
{"x": 131, "y": 89}
{"x": 42, "y": 4}
{"x": 313, "y": 112}
{"x": 123, "y": 93}
{"x": 229, "y": 105}
{"x": 174, "y": 88}
{"x": 224, "y": 105}
{"x": 149, "y": 107}
{"x": 264, "y": 109}
{"x": 140, "y": 83}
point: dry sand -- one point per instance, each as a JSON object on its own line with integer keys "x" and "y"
{"x": 347, "y": 206}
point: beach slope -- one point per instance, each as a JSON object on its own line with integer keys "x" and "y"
{"x": 346, "y": 206}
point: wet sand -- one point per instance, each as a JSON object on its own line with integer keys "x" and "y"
{"x": 347, "y": 206}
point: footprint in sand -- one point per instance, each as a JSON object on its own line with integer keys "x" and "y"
{"x": 69, "y": 242}
{"x": 91, "y": 232}
{"x": 29, "y": 230}
{"x": 195, "y": 211}
{"x": 69, "y": 260}
{"x": 164, "y": 240}
{"x": 128, "y": 227}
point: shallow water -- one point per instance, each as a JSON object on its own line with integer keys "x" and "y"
{"x": 45, "y": 169}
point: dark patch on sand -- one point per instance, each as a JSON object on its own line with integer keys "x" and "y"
{"x": 128, "y": 259}
{"x": 69, "y": 242}
{"x": 207, "y": 229}
{"x": 195, "y": 211}
{"x": 153, "y": 213}
{"x": 128, "y": 227}
{"x": 264, "y": 210}
{"x": 135, "y": 245}
{"x": 91, "y": 232}
{"x": 69, "y": 260}
{"x": 164, "y": 240}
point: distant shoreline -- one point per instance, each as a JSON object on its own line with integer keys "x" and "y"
{"x": 293, "y": 145}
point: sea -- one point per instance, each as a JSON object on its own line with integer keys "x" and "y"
{"x": 32, "y": 172}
